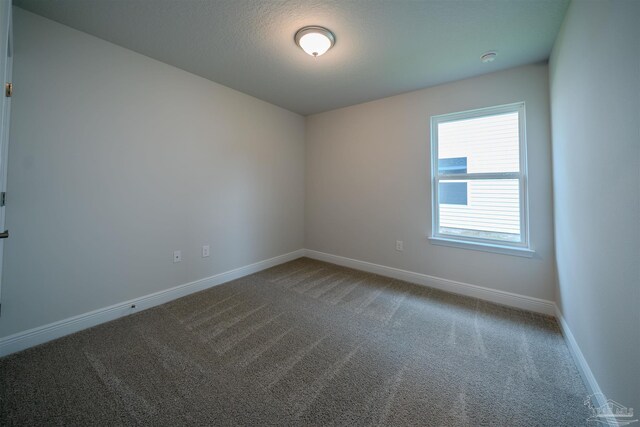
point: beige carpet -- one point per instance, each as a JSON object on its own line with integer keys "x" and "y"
{"x": 303, "y": 343}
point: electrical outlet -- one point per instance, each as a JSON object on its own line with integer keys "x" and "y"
{"x": 399, "y": 245}
{"x": 177, "y": 256}
{"x": 205, "y": 251}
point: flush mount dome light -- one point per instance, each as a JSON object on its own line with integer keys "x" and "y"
{"x": 315, "y": 40}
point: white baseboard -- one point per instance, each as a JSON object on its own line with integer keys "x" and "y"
{"x": 593, "y": 389}
{"x": 500, "y": 297}
{"x": 42, "y": 334}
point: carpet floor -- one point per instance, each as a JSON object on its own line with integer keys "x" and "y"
{"x": 303, "y": 343}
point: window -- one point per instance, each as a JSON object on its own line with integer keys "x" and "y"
{"x": 479, "y": 180}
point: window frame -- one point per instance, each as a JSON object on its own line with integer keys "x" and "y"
{"x": 522, "y": 248}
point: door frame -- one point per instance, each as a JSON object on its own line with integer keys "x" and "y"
{"x": 6, "y": 70}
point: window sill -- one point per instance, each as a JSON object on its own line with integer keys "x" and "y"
{"x": 484, "y": 247}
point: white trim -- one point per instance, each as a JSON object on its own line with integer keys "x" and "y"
{"x": 484, "y": 247}
{"x": 42, "y": 334}
{"x": 6, "y": 72}
{"x": 481, "y": 244}
{"x": 479, "y": 175}
{"x": 500, "y": 297}
{"x": 581, "y": 363}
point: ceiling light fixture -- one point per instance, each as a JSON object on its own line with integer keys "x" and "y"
{"x": 488, "y": 56}
{"x": 315, "y": 40}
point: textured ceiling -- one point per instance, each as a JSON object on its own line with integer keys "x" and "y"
{"x": 383, "y": 47}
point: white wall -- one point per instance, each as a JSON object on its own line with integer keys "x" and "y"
{"x": 595, "y": 102}
{"x": 117, "y": 159}
{"x": 368, "y": 182}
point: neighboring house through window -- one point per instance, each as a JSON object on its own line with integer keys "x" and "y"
{"x": 453, "y": 193}
{"x": 479, "y": 179}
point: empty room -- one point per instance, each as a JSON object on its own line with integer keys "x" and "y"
{"x": 320, "y": 212}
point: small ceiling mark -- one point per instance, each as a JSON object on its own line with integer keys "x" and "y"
{"x": 489, "y": 56}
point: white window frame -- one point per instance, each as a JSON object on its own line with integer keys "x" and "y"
{"x": 521, "y": 248}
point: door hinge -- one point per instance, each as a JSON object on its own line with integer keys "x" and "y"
{"x": 8, "y": 89}
{"x": 3, "y": 198}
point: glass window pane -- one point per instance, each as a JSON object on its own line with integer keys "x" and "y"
{"x": 488, "y": 209}
{"x": 482, "y": 144}
{"x": 453, "y": 193}
{"x": 452, "y": 165}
